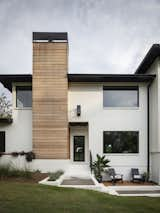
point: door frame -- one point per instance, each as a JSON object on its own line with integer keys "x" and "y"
{"x": 79, "y": 131}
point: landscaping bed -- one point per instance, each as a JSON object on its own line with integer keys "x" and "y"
{"x": 128, "y": 183}
{"x": 9, "y": 172}
{"x": 35, "y": 178}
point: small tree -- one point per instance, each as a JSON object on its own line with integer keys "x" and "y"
{"x": 99, "y": 165}
{"x": 5, "y": 107}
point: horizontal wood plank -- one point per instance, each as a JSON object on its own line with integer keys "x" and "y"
{"x": 50, "y": 85}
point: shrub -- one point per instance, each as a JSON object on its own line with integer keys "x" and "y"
{"x": 55, "y": 175}
{"x": 8, "y": 170}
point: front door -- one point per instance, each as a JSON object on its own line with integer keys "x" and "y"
{"x": 79, "y": 148}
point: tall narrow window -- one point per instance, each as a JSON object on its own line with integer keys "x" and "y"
{"x": 2, "y": 141}
{"x": 120, "y": 142}
{"x": 23, "y": 96}
{"x": 120, "y": 96}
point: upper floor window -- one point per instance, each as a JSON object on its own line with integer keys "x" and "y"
{"x": 2, "y": 141}
{"x": 119, "y": 96}
{"x": 23, "y": 96}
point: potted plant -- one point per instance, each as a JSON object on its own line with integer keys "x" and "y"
{"x": 99, "y": 165}
{"x": 30, "y": 156}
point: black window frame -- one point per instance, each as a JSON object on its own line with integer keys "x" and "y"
{"x": 4, "y": 142}
{"x": 25, "y": 87}
{"x": 121, "y": 153}
{"x": 121, "y": 88}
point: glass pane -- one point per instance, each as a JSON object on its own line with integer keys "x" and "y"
{"x": 120, "y": 98}
{"x": 79, "y": 148}
{"x": 24, "y": 96}
{"x": 121, "y": 142}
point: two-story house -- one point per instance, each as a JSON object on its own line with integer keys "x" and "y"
{"x": 64, "y": 118}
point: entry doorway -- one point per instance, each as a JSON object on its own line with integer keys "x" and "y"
{"x": 79, "y": 148}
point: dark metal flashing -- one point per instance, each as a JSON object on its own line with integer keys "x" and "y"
{"x": 78, "y": 123}
{"x": 110, "y": 78}
{"x": 48, "y": 36}
{"x": 148, "y": 60}
{"x": 7, "y": 80}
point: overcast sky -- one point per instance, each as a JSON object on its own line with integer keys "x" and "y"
{"x": 105, "y": 36}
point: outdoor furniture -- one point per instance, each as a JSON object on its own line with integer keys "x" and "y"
{"x": 136, "y": 176}
{"x": 114, "y": 177}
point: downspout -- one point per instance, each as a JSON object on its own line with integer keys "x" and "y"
{"x": 148, "y": 129}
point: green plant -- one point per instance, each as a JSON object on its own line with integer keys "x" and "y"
{"x": 99, "y": 165}
{"x": 30, "y": 156}
{"x": 5, "y": 107}
{"x": 146, "y": 176}
{"x": 8, "y": 170}
{"x": 55, "y": 175}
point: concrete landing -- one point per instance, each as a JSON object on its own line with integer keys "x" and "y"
{"x": 77, "y": 181}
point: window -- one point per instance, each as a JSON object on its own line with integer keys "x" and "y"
{"x": 120, "y": 96}
{"x": 2, "y": 141}
{"x": 23, "y": 96}
{"x": 120, "y": 142}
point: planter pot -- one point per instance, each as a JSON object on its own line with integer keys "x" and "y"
{"x": 99, "y": 179}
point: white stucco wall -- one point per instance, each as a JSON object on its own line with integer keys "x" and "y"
{"x": 19, "y": 133}
{"x": 19, "y": 138}
{"x": 90, "y": 97}
{"x": 154, "y": 96}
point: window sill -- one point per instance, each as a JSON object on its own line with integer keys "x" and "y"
{"x": 121, "y": 154}
{"x": 121, "y": 108}
{"x": 24, "y": 108}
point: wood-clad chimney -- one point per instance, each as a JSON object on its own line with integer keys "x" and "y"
{"x": 50, "y": 88}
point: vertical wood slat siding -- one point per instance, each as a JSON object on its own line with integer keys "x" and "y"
{"x": 50, "y": 88}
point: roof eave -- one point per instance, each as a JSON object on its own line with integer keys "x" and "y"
{"x": 109, "y": 78}
{"x": 148, "y": 60}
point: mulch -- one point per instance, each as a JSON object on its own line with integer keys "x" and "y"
{"x": 36, "y": 177}
{"x": 128, "y": 183}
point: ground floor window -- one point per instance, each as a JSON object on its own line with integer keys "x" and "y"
{"x": 2, "y": 141}
{"x": 120, "y": 141}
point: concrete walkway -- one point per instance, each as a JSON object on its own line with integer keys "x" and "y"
{"x": 79, "y": 176}
{"x": 150, "y": 191}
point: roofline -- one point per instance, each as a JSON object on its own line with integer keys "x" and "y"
{"x": 110, "y": 78}
{"x": 8, "y": 79}
{"x": 150, "y": 57}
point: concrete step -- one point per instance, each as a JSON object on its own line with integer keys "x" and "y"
{"x": 78, "y": 170}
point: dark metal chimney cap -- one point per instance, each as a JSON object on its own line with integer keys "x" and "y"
{"x": 50, "y": 36}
